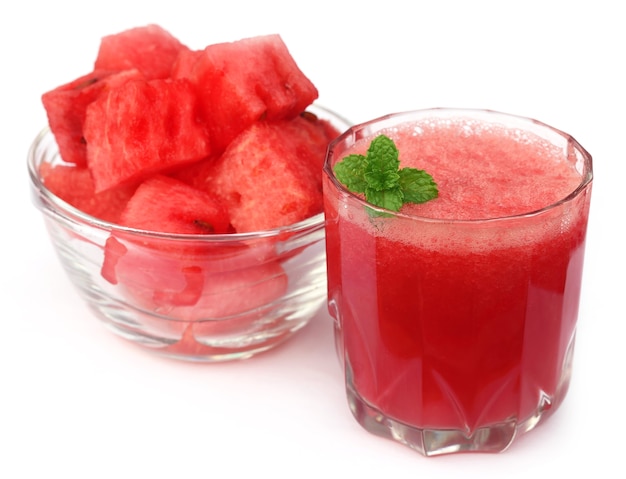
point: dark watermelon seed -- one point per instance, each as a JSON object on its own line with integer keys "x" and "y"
{"x": 204, "y": 225}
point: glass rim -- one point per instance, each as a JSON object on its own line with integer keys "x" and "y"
{"x": 586, "y": 176}
{"x": 70, "y": 213}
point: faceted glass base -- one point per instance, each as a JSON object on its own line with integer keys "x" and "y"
{"x": 432, "y": 442}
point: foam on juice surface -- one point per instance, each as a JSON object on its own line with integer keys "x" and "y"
{"x": 483, "y": 171}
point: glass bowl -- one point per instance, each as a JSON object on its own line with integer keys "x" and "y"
{"x": 202, "y": 298}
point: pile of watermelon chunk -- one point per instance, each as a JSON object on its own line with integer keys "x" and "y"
{"x": 162, "y": 137}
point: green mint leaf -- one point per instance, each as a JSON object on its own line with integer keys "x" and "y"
{"x": 379, "y": 177}
{"x": 417, "y": 185}
{"x": 381, "y": 171}
{"x": 390, "y": 199}
{"x": 351, "y": 172}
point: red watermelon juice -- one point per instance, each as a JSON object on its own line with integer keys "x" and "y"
{"x": 455, "y": 319}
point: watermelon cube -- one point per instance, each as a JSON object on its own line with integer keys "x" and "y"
{"x": 66, "y": 105}
{"x": 74, "y": 185}
{"x": 150, "y": 49}
{"x": 142, "y": 128}
{"x": 231, "y": 298}
{"x": 228, "y": 305}
{"x": 152, "y": 274}
{"x": 166, "y": 205}
{"x": 270, "y": 175}
{"x": 238, "y": 300}
{"x": 230, "y": 283}
{"x": 168, "y": 269}
{"x": 245, "y": 81}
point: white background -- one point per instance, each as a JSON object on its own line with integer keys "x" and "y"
{"x": 77, "y": 402}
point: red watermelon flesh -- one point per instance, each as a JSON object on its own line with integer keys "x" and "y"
{"x": 164, "y": 267}
{"x": 245, "y": 81}
{"x": 142, "y": 128}
{"x": 150, "y": 49}
{"x": 154, "y": 277}
{"x": 194, "y": 284}
{"x": 232, "y": 305}
{"x": 166, "y": 205}
{"x": 185, "y": 63}
{"x": 228, "y": 304}
{"x": 270, "y": 175}
{"x": 307, "y": 134}
{"x": 74, "y": 185}
{"x": 194, "y": 279}
{"x": 159, "y": 257}
{"x": 309, "y": 137}
{"x": 266, "y": 187}
{"x": 227, "y": 295}
{"x": 239, "y": 299}
{"x": 198, "y": 174}
{"x": 66, "y": 105}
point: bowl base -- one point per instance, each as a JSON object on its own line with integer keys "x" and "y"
{"x": 193, "y": 347}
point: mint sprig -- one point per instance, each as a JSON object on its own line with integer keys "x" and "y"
{"x": 379, "y": 177}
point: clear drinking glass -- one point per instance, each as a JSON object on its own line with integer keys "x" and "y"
{"x": 457, "y": 334}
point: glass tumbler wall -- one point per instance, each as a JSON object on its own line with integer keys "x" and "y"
{"x": 456, "y": 334}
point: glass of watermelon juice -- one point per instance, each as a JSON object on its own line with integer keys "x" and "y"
{"x": 195, "y": 297}
{"x": 455, "y": 319}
